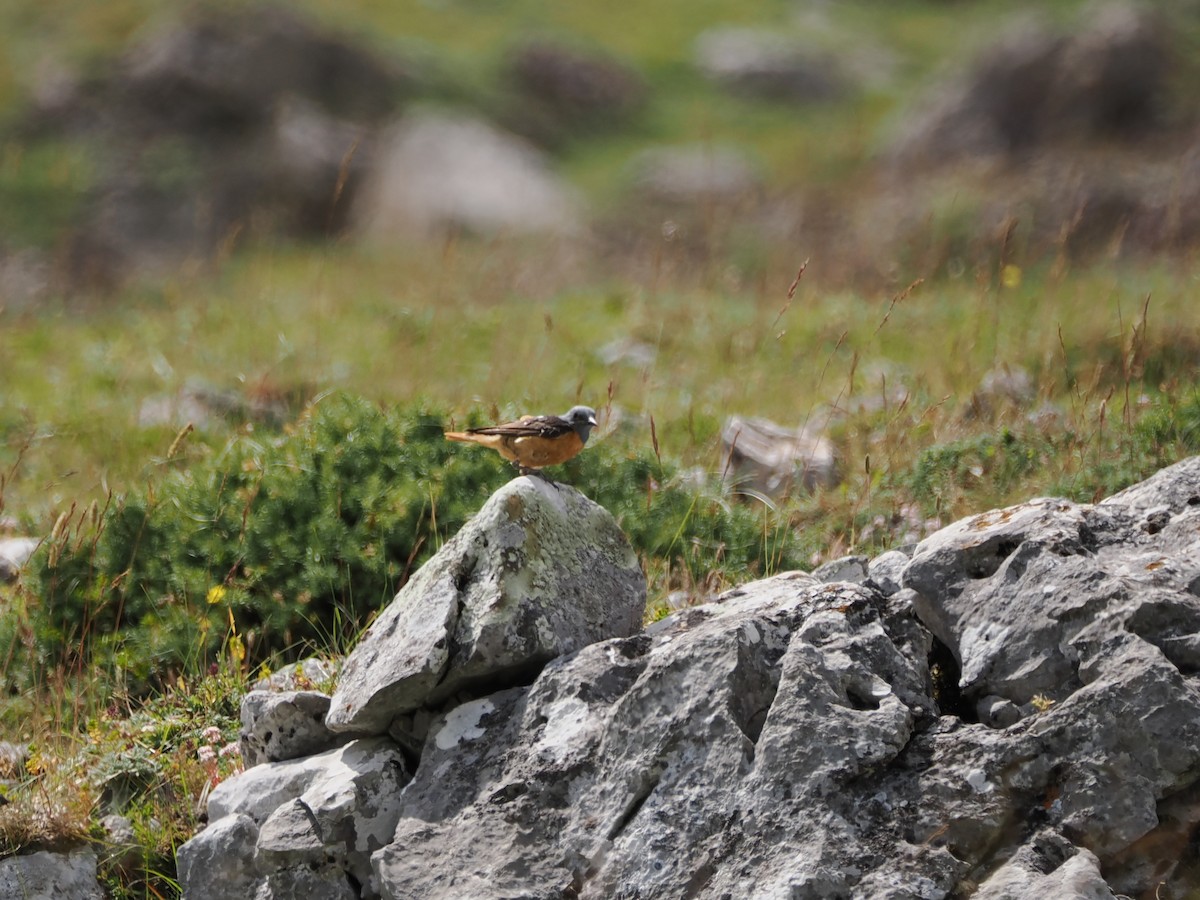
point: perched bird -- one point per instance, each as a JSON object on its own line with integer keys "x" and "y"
{"x": 535, "y": 441}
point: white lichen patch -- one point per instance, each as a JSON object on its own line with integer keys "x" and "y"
{"x": 979, "y": 783}
{"x": 462, "y": 724}
{"x": 565, "y": 720}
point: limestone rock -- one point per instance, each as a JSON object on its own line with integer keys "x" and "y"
{"x": 629, "y": 768}
{"x": 846, "y": 568}
{"x": 886, "y": 570}
{"x": 50, "y": 876}
{"x": 768, "y": 459}
{"x": 279, "y": 726}
{"x": 694, "y": 173}
{"x": 314, "y": 821}
{"x": 1037, "y": 84}
{"x": 540, "y": 571}
{"x": 259, "y": 791}
{"x": 764, "y": 63}
{"x": 1021, "y": 719}
{"x": 218, "y": 863}
{"x": 437, "y": 172}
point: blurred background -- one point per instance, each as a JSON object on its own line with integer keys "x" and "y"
{"x": 840, "y": 236}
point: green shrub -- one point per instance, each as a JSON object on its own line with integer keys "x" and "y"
{"x": 271, "y": 544}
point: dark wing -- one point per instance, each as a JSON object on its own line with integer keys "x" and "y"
{"x": 529, "y": 426}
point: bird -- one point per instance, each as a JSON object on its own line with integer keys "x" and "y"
{"x": 532, "y": 442}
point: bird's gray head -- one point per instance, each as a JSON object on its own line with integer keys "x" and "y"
{"x": 582, "y": 419}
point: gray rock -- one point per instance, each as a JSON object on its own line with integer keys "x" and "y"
{"x": 694, "y": 173}
{"x": 1004, "y": 387}
{"x": 562, "y": 90}
{"x": 258, "y": 792}
{"x": 1049, "y": 866}
{"x": 885, "y": 571}
{"x": 312, "y": 674}
{"x": 280, "y": 726}
{"x": 540, "y": 571}
{"x": 14, "y": 553}
{"x": 791, "y": 740}
{"x": 1176, "y": 487}
{"x": 218, "y": 863}
{"x": 326, "y": 883}
{"x": 1036, "y": 85}
{"x": 346, "y": 813}
{"x": 50, "y": 876}
{"x": 764, "y": 63}
{"x": 437, "y": 172}
{"x": 765, "y": 458}
{"x": 635, "y": 766}
{"x": 846, "y": 568}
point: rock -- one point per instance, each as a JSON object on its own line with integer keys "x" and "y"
{"x": 1004, "y": 387}
{"x": 764, "y": 458}
{"x": 1177, "y": 488}
{"x": 121, "y": 845}
{"x": 311, "y": 674}
{"x": 1037, "y": 85}
{"x": 220, "y": 123}
{"x": 438, "y": 171}
{"x": 846, "y": 568}
{"x": 344, "y": 815}
{"x": 1081, "y": 615}
{"x": 50, "y": 876}
{"x": 563, "y": 90}
{"x": 693, "y": 174}
{"x": 762, "y": 63}
{"x": 321, "y": 884}
{"x": 218, "y": 863}
{"x": 540, "y": 571}
{"x": 281, "y": 726}
{"x": 14, "y": 553}
{"x": 259, "y": 791}
{"x": 1021, "y": 719}
{"x": 640, "y": 766}
{"x": 227, "y": 71}
{"x": 324, "y": 814}
{"x": 204, "y": 404}
{"x": 25, "y": 279}
{"x": 884, "y": 572}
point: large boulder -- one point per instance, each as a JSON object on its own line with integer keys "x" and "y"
{"x": 687, "y": 762}
{"x": 1037, "y": 84}
{"x": 438, "y": 172}
{"x": 540, "y": 571}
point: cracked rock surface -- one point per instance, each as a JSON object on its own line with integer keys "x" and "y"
{"x": 1012, "y": 712}
{"x": 540, "y": 571}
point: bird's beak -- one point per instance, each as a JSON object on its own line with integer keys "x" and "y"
{"x": 592, "y": 421}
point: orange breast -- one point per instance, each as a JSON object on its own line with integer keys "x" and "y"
{"x": 535, "y": 452}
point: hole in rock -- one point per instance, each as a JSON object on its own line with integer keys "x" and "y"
{"x": 944, "y": 673}
{"x": 984, "y": 560}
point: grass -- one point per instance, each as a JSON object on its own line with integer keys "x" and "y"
{"x": 493, "y": 328}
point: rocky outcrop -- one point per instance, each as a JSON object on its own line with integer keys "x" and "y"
{"x": 1011, "y": 711}
{"x": 1036, "y": 85}
{"x": 214, "y": 125}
